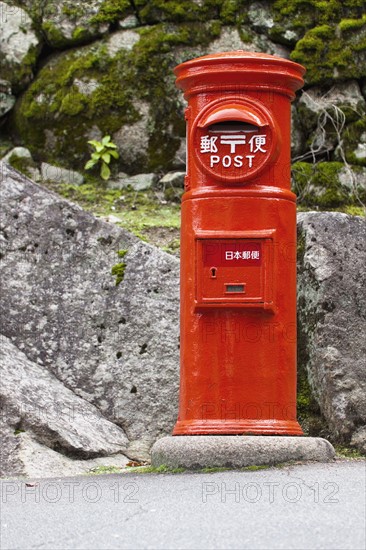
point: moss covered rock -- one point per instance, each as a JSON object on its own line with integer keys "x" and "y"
{"x": 328, "y": 184}
{"x": 178, "y": 11}
{"x": 20, "y": 158}
{"x": 70, "y": 23}
{"x": 354, "y": 143}
{"x": 79, "y": 95}
{"x": 19, "y": 46}
{"x": 334, "y": 121}
{"x": 332, "y": 52}
{"x": 73, "y": 22}
{"x": 294, "y": 18}
{"x": 122, "y": 85}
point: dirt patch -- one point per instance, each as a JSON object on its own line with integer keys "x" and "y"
{"x": 167, "y": 238}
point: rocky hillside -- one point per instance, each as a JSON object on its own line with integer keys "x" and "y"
{"x": 75, "y": 71}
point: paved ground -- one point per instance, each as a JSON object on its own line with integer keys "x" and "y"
{"x": 304, "y": 507}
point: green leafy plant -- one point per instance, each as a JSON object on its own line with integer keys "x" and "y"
{"x": 103, "y": 153}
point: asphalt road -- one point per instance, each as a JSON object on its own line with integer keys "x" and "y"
{"x": 304, "y": 507}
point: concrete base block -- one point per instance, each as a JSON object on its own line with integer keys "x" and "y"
{"x": 237, "y": 451}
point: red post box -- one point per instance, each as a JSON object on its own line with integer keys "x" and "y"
{"x": 238, "y": 247}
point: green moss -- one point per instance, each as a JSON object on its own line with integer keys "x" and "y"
{"x": 54, "y": 35}
{"x": 163, "y": 469}
{"x": 333, "y": 52}
{"x": 255, "y": 468}
{"x": 153, "y": 11}
{"x": 111, "y": 11}
{"x": 139, "y": 212}
{"x": 308, "y": 411}
{"x": 173, "y": 194}
{"x": 160, "y": 39}
{"x": 20, "y": 75}
{"x": 73, "y": 103}
{"x": 173, "y": 247}
{"x": 305, "y": 401}
{"x": 353, "y": 135}
{"x": 171, "y": 10}
{"x": 100, "y": 470}
{"x": 90, "y": 196}
{"x": 79, "y": 35}
{"x": 153, "y": 60}
{"x": 300, "y": 248}
{"x": 246, "y": 35}
{"x": 5, "y": 146}
{"x": 309, "y": 13}
{"x": 73, "y": 12}
{"x": 47, "y": 111}
{"x": 348, "y": 452}
{"x": 294, "y": 18}
{"x": 167, "y": 216}
{"x": 232, "y": 11}
{"x": 351, "y": 24}
{"x": 180, "y": 11}
{"x": 355, "y": 211}
{"x": 53, "y": 100}
{"x": 22, "y": 164}
{"x": 318, "y": 185}
{"x": 118, "y": 271}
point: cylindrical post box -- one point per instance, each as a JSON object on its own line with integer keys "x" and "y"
{"x": 238, "y": 247}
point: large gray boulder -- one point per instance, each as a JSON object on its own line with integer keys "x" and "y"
{"x": 331, "y": 309}
{"x": 114, "y": 345}
{"x": 35, "y": 403}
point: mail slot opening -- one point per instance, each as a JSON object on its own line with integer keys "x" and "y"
{"x": 235, "y": 288}
{"x": 232, "y": 126}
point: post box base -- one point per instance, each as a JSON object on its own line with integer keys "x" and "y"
{"x": 196, "y": 452}
{"x": 234, "y": 427}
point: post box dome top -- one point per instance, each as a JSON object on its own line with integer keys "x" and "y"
{"x": 239, "y": 70}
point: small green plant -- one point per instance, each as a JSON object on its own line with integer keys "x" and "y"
{"x": 348, "y": 452}
{"x": 99, "y": 470}
{"x": 104, "y": 151}
{"x": 157, "y": 470}
{"x": 214, "y": 469}
{"x": 255, "y": 468}
{"x": 118, "y": 270}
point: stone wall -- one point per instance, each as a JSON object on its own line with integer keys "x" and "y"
{"x": 74, "y": 71}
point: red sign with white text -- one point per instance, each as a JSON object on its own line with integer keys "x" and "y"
{"x": 232, "y": 253}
